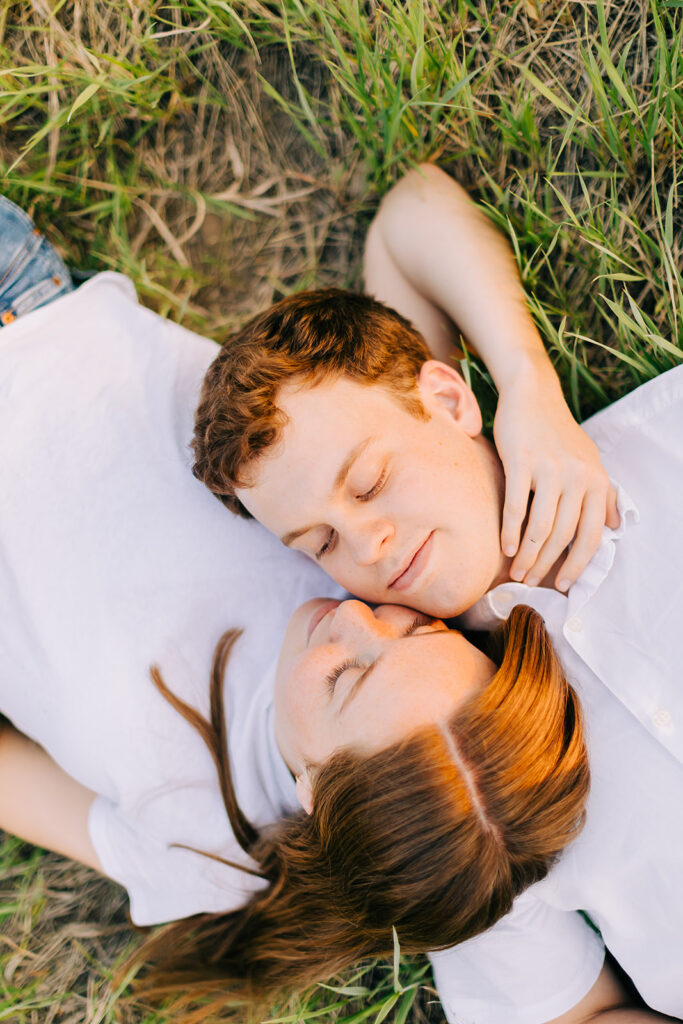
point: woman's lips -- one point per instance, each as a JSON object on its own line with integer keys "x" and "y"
{"x": 415, "y": 566}
{"x": 318, "y": 615}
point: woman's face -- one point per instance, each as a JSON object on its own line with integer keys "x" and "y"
{"x": 351, "y": 676}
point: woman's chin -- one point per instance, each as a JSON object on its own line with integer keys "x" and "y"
{"x": 301, "y": 618}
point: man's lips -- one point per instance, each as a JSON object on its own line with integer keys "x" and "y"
{"x": 318, "y": 615}
{"x": 414, "y": 567}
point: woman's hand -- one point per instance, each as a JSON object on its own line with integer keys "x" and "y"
{"x": 544, "y": 451}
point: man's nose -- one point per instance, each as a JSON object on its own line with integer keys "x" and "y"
{"x": 367, "y": 540}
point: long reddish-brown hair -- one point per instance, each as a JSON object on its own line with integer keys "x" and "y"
{"x": 310, "y": 336}
{"x": 434, "y": 836}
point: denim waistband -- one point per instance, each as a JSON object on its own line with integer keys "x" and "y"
{"x": 32, "y": 273}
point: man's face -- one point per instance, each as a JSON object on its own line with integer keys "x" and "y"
{"x": 397, "y": 509}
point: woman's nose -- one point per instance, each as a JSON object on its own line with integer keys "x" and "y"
{"x": 353, "y": 619}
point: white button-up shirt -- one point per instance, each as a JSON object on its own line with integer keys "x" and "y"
{"x": 619, "y": 634}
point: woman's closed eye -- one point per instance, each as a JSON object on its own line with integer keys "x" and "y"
{"x": 348, "y": 663}
{"x": 339, "y": 671}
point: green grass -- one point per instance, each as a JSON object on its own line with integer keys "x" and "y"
{"x": 223, "y": 154}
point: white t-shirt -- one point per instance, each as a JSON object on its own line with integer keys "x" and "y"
{"x": 113, "y": 558}
{"x": 618, "y": 633}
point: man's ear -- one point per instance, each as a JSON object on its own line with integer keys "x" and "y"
{"x": 442, "y": 384}
{"x": 304, "y": 790}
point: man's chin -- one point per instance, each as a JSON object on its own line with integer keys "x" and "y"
{"x": 448, "y": 604}
{"x": 435, "y": 605}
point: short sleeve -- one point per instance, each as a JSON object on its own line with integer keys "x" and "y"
{"x": 165, "y": 882}
{"x": 532, "y": 966}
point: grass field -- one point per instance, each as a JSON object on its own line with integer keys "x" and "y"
{"x": 225, "y": 153}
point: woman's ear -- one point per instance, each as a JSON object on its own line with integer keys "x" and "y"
{"x": 443, "y": 385}
{"x": 304, "y": 790}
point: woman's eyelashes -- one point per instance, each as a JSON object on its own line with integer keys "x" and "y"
{"x": 339, "y": 670}
{"x": 344, "y": 666}
{"x": 419, "y": 620}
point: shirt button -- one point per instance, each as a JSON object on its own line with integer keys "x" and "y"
{"x": 661, "y": 718}
{"x": 575, "y": 624}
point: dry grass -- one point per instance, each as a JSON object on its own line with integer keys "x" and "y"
{"x": 180, "y": 170}
{"x": 224, "y": 154}
{"x": 64, "y": 928}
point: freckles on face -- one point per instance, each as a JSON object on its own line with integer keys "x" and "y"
{"x": 306, "y": 726}
{"x": 386, "y": 690}
{"x": 420, "y": 682}
{"x": 300, "y": 695}
{"x": 374, "y": 493}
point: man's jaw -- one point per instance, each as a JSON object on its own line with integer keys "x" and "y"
{"x": 503, "y": 574}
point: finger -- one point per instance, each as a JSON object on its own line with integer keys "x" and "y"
{"x": 564, "y": 528}
{"x": 517, "y": 489}
{"x": 539, "y": 526}
{"x": 612, "y": 518}
{"x": 587, "y": 541}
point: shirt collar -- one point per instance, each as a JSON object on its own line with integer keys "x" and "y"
{"x": 495, "y": 606}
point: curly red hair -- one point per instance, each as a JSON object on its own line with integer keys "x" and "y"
{"x": 310, "y": 336}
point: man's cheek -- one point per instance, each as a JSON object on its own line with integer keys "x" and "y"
{"x": 356, "y": 580}
{"x": 344, "y": 573}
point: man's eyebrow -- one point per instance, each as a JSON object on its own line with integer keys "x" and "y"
{"x": 365, "y": 675}
{"x": 348, "y": 462}
{"x": 289, "y": 538}
{"x": 339, "y": 481}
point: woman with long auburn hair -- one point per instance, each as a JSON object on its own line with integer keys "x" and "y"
{"x": 463, "y": 817}
{"x": 429, "y": 822}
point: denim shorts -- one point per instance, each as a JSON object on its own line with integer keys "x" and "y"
{"x": 32, "y": 273}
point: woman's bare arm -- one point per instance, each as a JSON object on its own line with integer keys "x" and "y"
{"x": 41, "y": 803}
{"x": 434, "y": 256}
